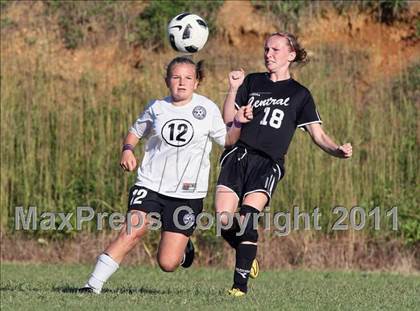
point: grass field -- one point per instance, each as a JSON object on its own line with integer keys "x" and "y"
{"x": 36, "y": 287}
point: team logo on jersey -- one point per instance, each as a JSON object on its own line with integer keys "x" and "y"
{"x": 177, "y": 132}
{"x": 199, "y": 112}
{"x": 189, "y": 186}
{"x": 188, "y": 219}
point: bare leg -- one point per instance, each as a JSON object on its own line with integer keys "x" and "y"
{"x": 171, "y": 250}
{"x": 128, "y": 236}
{"x": 226, "y": 202}
{"x": 108, "y": 262}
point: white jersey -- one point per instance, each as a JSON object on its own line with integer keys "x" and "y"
{"x": 176, "y": 156}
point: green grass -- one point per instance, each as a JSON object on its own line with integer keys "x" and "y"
{"x": 29, "y": 286}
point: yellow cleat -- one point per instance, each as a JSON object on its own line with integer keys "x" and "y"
{"x": 255, "y": 269}
{"x": 235, "y": 292}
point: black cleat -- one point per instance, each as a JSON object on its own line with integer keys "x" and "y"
{"x": 189, "y": 255}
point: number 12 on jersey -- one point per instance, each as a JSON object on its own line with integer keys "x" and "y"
{"x": 275, "y": 119}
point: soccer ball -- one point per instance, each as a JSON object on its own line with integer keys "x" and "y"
{"x": 187, "y": 33}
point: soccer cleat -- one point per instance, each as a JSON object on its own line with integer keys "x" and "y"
{"x": 236, "y": 292}
{"x": 255, "y": 269}
{"x": 188, "y": 255}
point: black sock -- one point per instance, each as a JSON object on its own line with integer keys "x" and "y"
{"x": 230, "y": 234}
{"x": 245, "y": 255}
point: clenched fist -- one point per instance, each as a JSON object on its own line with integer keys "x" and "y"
{"x": 128, "y": 161}
{"x": 345, "y": 150}
{"x": 236, "y": 78}
{"x": 244, "y": 114}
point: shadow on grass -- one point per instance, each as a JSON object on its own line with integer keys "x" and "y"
{"x": 18, "y": 288}
{"x": 123, "y": 290}
{"x": 66, "y": 289}
{"x": 75, "y": 290}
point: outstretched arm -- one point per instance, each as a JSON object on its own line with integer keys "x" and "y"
{"x": 235, "y": 80}
{"x": 320, "y": 138}
{"x": 128, "y": 161}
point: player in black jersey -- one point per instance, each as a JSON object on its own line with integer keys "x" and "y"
{"x": 252, "y": 168}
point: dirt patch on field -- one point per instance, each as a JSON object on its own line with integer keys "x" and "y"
{"x": 389, "y": 48}
{"x": 34, "y": 38}
{"x": 242, "y": 26}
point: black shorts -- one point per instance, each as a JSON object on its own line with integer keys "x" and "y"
{"x": 244, "y": 172}
{"x": 146, "y": 200}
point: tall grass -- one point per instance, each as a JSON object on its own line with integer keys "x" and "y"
{"x": 381, "y": 123}
{"x": 60, "y": 139}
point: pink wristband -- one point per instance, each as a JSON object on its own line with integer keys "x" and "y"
{"x": 128, "y": 147}
{"x": 236, "y": 123}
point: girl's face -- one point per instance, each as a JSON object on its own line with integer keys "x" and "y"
{"x": 277, "y": 54}
{"x": 182, "y": 82}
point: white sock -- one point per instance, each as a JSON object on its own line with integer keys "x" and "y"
{"x": 105, "y": 267}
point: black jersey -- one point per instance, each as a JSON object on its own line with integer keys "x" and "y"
{"x": 279, "y": 108}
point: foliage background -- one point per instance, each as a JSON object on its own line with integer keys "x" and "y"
{"x": 74, "y": 76}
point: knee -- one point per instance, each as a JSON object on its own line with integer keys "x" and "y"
{"x": 249, "y": 235}
{"x": 250, "y": 231}
{"x": 167, "y": 262}
{"x": 168, "y": 265}
{"x": 225, "y": 218}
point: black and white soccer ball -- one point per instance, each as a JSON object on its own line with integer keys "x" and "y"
{"x": 188, "y": 33}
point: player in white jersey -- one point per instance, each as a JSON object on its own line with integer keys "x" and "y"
{"x": 176, "y": 162}
{"x": 173, "y": 177}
